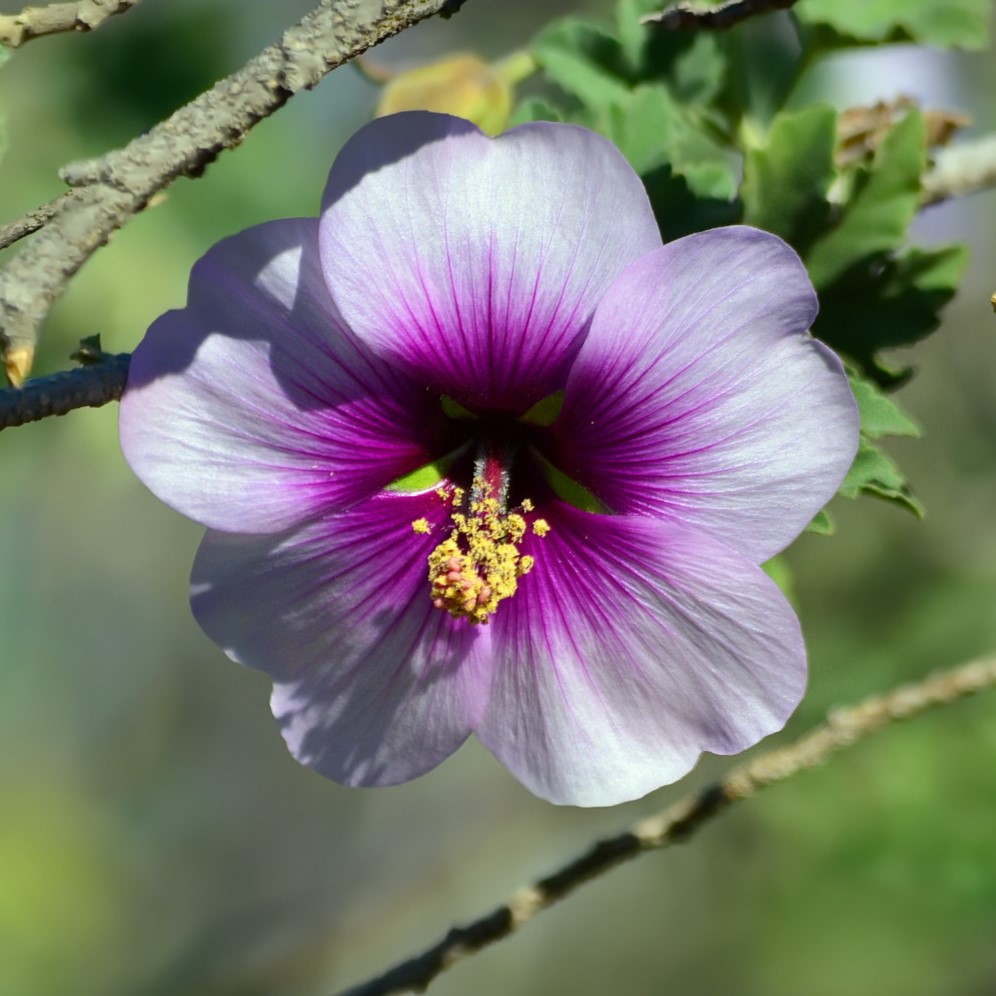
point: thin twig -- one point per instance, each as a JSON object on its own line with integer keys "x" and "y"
{"x": 33, "y": 22}
{"x": 85, "y": 387}
{"x": 965, "y": 168}
{"x": 843, "y": 728}
{"x": 719, "y": 18}
{"x": 29, "y": 223}
{"x": 115, "y": 187}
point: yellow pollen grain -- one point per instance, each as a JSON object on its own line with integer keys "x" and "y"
{"x": 422, "y": 527}
{"x": 479, "y": 563}
{"x": 541, "y": 527}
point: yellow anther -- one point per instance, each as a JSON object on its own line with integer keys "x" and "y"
{"x": 421, "y": 526}
{"x": 479, "y": 564}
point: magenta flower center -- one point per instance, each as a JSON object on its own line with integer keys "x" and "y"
{"x": 480, "y": 562}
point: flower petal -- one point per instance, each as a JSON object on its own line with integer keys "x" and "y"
{"x": 253, "y": 407}
{"x": 700, "y": 397}
{"x": 632, "y": 646}
{"x": 476, "y": 263}
{"x": 373, "y": 686}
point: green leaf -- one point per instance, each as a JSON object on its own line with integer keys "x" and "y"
{"x": 652, "y": 129}
{"x": 780, "y": 572}
{"x": 698, "y": 73}
{"x": 786, "y": 181}
{"x": 874, "y": 473}
{"x": 821, "y": 524}
{"x": 679, "y": 211}
{"x": 880, "y": 416}
{"x": 533, "y": 109}
{"x": 882, "y": 205}
{"x": 583, "y": 61}
{"x": 946, "y": 23}
{"x": 887, "y": 302}
{"x": 634, "y": 36}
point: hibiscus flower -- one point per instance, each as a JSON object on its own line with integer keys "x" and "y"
{"x": 478, "y": 454}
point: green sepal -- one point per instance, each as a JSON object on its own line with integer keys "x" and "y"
{"x": 568, "y": 489}
{"x": 544, "y": 412}
{"x": 426, "y": 477}
{"x": 453, "y": 409}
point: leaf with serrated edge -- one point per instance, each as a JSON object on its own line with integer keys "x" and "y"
{"x": 880, "y": 415}
{"x": 874, "y": 473}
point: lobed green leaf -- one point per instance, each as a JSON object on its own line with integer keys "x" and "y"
{"x": 887, "y": 302}
{"x": 880, "y": 416}
{"x": 874, "y": 473}
{"x": 945, "y": 23}
{"x": 884, "y": 201}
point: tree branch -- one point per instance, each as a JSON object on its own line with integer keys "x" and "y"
{"x": 843, "y": 728}
{"x": 965, "y": 168}
{"x": 32, "y": 22}
{"x": 29, "y": 223}
{"x": 683, "y": 17}
{"x": 115, "y": 187}
{"x": 89, "y": 386}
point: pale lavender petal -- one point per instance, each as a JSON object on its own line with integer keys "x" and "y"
{"x": 475, "y": 263}
{"x": 700, "y": 397}
{"x": 631, "y": 647}
{"x": 253, "y": 408}
{"x": 373, "y": 686}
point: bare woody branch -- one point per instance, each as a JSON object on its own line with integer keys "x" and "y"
{"x": 115, "y": 187}
{"x": 32, "y": 22}
{"x": 843, "y": 728}
{"x": 89, "y": 386}
{"x": 684, "y": 17}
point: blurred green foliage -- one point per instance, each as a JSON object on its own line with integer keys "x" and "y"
{"x": 155, "y": 837}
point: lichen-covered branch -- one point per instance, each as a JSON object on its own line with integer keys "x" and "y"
{"x": 843, "y": 728}
{"x": 683, "y": 17}
{"x": 32, "y": 22}
{"x": 115, "y": 187}
{"x": 28, "y": 223}
{"x": 965, "y": 168}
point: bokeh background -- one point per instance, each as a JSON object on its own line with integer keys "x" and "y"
{"x": 156, "y": 838}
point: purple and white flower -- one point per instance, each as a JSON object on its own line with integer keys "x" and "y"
{"x": 478, "y": 454}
